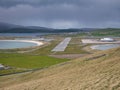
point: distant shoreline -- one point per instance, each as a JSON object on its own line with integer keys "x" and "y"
{"x": 31, "y": 41}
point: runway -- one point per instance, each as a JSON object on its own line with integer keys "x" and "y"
{"x": 62, "y": 46}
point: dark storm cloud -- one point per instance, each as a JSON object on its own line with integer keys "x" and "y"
{"x": 11, "y": 3}
{"x": 61, "y": 13}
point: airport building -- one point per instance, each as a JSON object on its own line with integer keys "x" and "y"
{"x": 107, "y": 39}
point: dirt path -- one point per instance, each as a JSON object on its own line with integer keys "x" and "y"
{"x": 69, "y": 56}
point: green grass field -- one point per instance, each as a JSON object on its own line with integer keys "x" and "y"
{"x": 74, "y": 47}
{"x": 107, "y": 32}
{"x": 24, "y": 61}
{"x": 46, "y": 50}
{"x": 92, "y": 72}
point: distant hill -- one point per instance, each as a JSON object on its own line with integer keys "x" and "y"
{"x": 5, "y": 26}
{"x": 89, "y": 29}
{"x": 106, "y": 32}
{"x": 11, "y": 28}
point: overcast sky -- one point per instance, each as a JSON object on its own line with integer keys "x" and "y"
{"x": 61, "y": 13}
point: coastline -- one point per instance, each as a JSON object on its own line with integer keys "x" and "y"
{"x": 31, "y": 41}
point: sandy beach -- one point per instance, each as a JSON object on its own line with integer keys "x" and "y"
{"x": 31, "y": 41}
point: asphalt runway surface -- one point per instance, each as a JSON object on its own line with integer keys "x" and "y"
{"x": 62, "y": 45}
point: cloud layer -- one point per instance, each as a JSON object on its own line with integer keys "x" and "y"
{"x": 61, "y": 13}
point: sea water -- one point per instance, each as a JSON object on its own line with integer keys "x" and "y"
{"x": 16, "y": 44}
{"x": 105, "y": 46}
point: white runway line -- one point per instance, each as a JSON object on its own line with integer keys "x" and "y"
{"x": 62, "y": 46}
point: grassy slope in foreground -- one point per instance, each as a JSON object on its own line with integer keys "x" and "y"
{"x": 24, "y": 61}
{"x": 100, "y": 71}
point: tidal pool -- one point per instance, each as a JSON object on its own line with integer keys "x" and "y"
{"x": 105, "y": 46}
{"x": 14, "y": 44}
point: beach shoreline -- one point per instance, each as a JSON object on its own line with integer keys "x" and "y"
{"x": 30, "y": 41}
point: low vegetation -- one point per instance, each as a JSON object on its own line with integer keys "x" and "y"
{"x": 74, "y": 47}
{"x": 47, "y": 49}
{"x": 97, "y": 71}
{"x": 22, "y": 62}
{"x": 106, "y": 32}
{"x": 93, "y": 72}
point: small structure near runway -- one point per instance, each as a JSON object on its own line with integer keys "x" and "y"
{"x": 101, "y": 41}
{"x": 1, "y": 67}
{"x": 107, "y": 40}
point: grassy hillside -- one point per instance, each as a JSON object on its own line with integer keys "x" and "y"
{"x": 99, "y": 71}
{"x": 23, "y": 62}
{"x": 28, "y": 61}
{"x": 106, "y": 32}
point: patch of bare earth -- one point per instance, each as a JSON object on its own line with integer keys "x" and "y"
{"x": 69, "y": 56}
